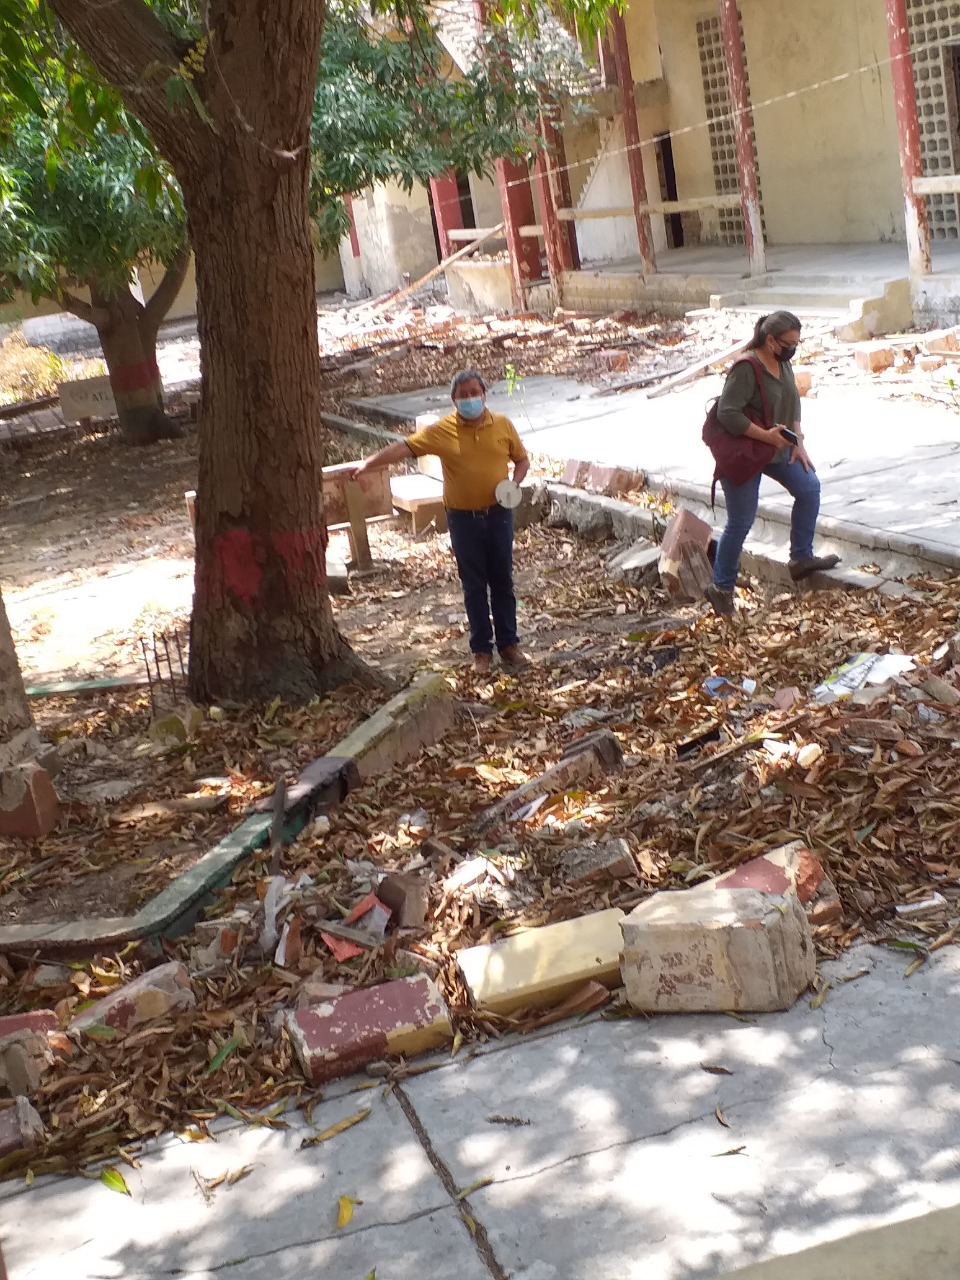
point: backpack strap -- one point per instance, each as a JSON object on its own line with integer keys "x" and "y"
{"x": 758, "y": 374}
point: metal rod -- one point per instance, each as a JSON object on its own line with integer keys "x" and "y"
{"x": 146, "y": 663}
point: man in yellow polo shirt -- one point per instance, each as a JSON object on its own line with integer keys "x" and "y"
{"x": 475, "y": 448}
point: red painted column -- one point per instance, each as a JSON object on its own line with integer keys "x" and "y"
{"x": 631, "y": 134}
{"x": 354, "y": 241}
{"x": 552, "y": 239}
{"x": 743, "y": 136}
{"x": 908, "y": 136}
{"x": 446, "y": 209}
{"x": 516, "y": 200}
{"x": 569, "y": 250}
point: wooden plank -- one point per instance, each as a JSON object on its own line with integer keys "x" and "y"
{"x": 694, "y": 370}
{"x": 358, "y": 525}
{"x": 374, "y": 489}
{"x": 692, "y": 205}
{"x": 947, "y": 184}
{"x": 437, "y": 270}
{"x": 581, "y": 215}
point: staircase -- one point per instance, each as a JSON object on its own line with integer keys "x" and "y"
{"x": 861, "y": 307}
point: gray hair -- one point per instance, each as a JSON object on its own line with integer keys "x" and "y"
{"x": 773, "y": 325}
{"x": 466, "y": 375}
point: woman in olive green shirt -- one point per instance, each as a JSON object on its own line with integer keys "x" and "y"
{"x": 774, "y": 344}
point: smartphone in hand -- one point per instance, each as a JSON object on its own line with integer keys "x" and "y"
{"x": 790, "y": 436}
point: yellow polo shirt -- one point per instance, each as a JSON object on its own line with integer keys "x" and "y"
{"x": 475, "y": 456}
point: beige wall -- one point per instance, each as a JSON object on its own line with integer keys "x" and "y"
{"x": 829, "y": 165}
{"x": 327, "y": 271}
{"x": 396, "y": 235}
{"x": 829, "y": 169}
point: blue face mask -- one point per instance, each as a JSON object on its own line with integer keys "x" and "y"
{"x": 471, "y": 407}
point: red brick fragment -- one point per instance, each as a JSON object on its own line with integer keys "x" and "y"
{"x": 29, "y": 808}
{"x": 155, "y": 994}
{"x": 339, "y": 1036}
{"x": 40, "y": 1020}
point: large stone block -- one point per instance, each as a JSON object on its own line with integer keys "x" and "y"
{"x": 541, "y": 967}
{"x": 700, "y": 951}
{"x": 874, "y": 357}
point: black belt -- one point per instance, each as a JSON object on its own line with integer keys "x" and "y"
{"x": 480, "y": 511}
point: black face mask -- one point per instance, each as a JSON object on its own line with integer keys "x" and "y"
{"x": 787, "y": 352}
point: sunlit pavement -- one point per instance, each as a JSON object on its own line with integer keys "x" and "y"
{"x": 636, "y": 1162}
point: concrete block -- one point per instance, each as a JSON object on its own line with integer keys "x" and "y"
{"x": 606, "y": 860}
{"x": 603, "y": 744}
{"x": 417, "y": 717}
{"x": 29, "y": 808}
{"x": 403, "y": 1017}
{"x": 874, "y": 357}
{"x": 639, "y": 565}
{"x": 407, "y": 896}
{"x": 593, "y": 755}
{"x": 155, "y": 994}
{"x": 699, "y": 951}
{"x": 21, "y": 1065}
{"x": 541, "y": 967}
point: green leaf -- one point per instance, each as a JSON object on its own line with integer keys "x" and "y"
{"x": 50, "y": 167}
{"x": 100, "y": 1031}
{"x": 114, "y": 1179}
{"x": 220, "y": 1057}
{"x": 904, "y": 944}
{"x": 22, "y": 89}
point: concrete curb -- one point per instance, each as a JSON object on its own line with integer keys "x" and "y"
{"x": 843, "y": 533}
{"x": 418, "y": 716}
{"x": 86, "y": 686}
{"x": 593, "y": 513}
{"x": 375, "y": 437}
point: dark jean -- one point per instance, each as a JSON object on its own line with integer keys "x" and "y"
{"x": 482, "y": 543}
{"x": 742, "y": 501}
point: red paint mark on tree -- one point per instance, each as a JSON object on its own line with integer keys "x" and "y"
{"x": 238, "y": 567}
{"x": 240, "y": 559}
{"x": 303, "y": 552}
{"x": 134, "y": 377}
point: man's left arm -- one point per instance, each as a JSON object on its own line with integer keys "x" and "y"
{"x": 518, "y": 456}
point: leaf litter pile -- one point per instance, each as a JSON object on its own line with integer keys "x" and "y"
{"x": 727, "y": 754}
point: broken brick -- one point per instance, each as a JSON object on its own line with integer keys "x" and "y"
{"x": 407, "y": 897}
{"x": 804, "y": 380}
{"x": 29, "y": 808}
{"x": 874, "y": 357}
{"x": 942, "y": 342}
{"x": 40, "y": 1020}
{"x": 789, "y": 869}
{"x": 874, "y": 730}
{"x": 612, "y": 481}
{"x": 608, "y": 860}
{"x": 339, "y": 1036}
{"x": 603, "y": 744}
{"x": 684, "y": 527}
{"x": 22, "y": 1059}
{"x": 155, "y": 994}
{"x": 575, "y": 473}
{"x": 20, "y": 1129}
{"x": 614, "y": 360}
{"x": 930, "y": 364}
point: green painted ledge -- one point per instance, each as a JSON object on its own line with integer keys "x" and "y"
{"x": 416, "y": 717}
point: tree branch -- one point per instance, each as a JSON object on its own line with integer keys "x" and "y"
{"x": 97, "y": 316}
{"x": 163, "y": 297}
{"x": 131, "y": 49}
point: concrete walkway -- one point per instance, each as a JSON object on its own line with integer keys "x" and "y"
{"x": 845, "y": 1121}
{"x": 889, "y": 469}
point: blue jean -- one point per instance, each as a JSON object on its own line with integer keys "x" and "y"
{"x": 742, "y": 501}
{"x": 482, "y": 543}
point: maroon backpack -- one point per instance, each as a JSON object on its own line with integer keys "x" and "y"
{"x": 739, "y": 458}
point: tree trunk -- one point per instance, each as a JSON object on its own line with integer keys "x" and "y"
{"x": 130, "y": 352}
{"x": 262, "y": 623}
{"x": 18, "y": 737}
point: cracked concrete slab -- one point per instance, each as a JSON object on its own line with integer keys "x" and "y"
{"x": 838, "y": 1127}
{"x": 289, "y": 1198}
